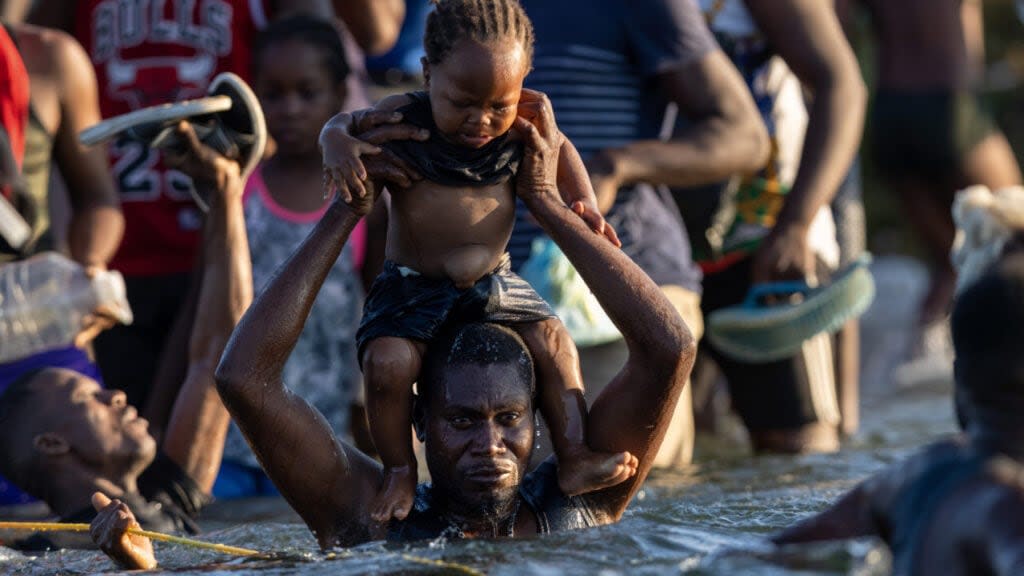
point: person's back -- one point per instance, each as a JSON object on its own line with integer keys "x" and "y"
{"x": 955, "y": 506}
{"x": 991, "y": 492}
{"x": 932, "y": 134}
{"x": 921, "y": 44}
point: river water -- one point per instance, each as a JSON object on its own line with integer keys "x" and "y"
{"x": 708, "y": 519}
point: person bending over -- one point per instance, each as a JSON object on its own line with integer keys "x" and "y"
{"x": 447, "y": 236}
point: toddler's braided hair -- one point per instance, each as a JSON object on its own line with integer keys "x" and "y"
{"x": 484, "y": 21}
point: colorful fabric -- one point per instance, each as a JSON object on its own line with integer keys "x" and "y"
{"x": 778, "y": 94}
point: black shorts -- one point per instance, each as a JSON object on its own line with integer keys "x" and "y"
{"x": 781, "y": 395}
{"x": 925, "y": 135}
{"x": 405, "y": 304}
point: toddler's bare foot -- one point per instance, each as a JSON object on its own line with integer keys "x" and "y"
{"x": 395, "y": 498}
{"x": 587, "y": 471}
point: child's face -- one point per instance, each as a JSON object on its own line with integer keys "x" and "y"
{"x": 474, "y": 92}
{"x": 298, "y": 95}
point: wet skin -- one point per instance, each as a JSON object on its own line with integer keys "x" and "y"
{"x": 974, "y": 529}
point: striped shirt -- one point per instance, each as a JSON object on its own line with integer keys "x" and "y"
{"x": 598, "y": 62}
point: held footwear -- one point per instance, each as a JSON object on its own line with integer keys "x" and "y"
{"x": 756, "y": 331}
{"x": 229, "y": 120}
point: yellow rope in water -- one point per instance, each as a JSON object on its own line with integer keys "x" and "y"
{"x": 58, "y": 526}
{"x": 453, "y": 566}
{"x": 233, "y": 550}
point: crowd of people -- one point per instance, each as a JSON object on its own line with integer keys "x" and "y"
{"x": 340, "y": 313}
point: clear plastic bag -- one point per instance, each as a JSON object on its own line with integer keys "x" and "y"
{"x": 556, "y": 280}
{"x": 44, "y": 299}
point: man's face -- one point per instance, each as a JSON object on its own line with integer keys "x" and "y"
{"x": 96, "y": 425}
{"x": 479, "y": 436}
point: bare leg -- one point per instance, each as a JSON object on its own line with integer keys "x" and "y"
{"x": 848, "y": 377}
{"x": 360, "y": 429}
{"x": 990, "y": 163}
{"x": 390, "y": 367}
{"x": 929, "y": 210}
{"x": 564, "y": 409}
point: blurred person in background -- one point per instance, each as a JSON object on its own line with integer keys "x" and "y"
{"x": 932, "y": 135}
{"x": 146, "y": 53}
{"x": 51, "y": 73}
{"x": 954, "y": 507}
{"x": 611, "y": 78}
{"x": 299, "y": 75}
{"x": 781, "y": 227}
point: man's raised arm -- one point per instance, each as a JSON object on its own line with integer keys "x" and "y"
{"x": 323, "y": 479}
{"x": 198, "y": 422}
{"x": 633, "y": 412}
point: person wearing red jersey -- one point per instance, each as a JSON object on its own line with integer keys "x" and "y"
{"x": 148, "y": 52}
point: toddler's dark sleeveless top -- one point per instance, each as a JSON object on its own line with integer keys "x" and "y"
{"x": 441, "y": 161}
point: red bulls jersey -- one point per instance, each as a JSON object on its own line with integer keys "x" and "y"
{"x": 149, "y": 52}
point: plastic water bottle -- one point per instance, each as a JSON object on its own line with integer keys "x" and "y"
{"x": 44, "y": 299}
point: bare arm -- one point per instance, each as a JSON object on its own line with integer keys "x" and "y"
{"x": 807, "y": 35}
{"x": 633, "y": 412}
{"x": 324, "y": 480}
{"x": 726, "y": 135}
{"x": 577, "y": 191}
{"x": 96, "y": 223}
{"x": 375, "y": 24}
{"x": 973, "y": 21}
{"x": 849, "y": 517}
{"x": 194, "y": 438}
{"x": 345, "y": 147}
{"x": 14, "y": 11}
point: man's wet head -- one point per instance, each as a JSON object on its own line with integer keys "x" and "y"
{"x": 59, "y": 422}
{"x": 475, "y": 414}
{"x": 988, "y": 336}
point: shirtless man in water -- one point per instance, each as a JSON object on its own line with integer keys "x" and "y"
{"x": 932, "y": 138}
{"x": 447, "y": 235}
{"x": 956, "y": 506}
{"x": 476, "y": 405}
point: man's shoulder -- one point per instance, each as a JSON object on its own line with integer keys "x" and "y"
{"x": 555, "y": 511}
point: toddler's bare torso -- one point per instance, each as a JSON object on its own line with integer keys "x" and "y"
{"x": 454, "y": 232}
